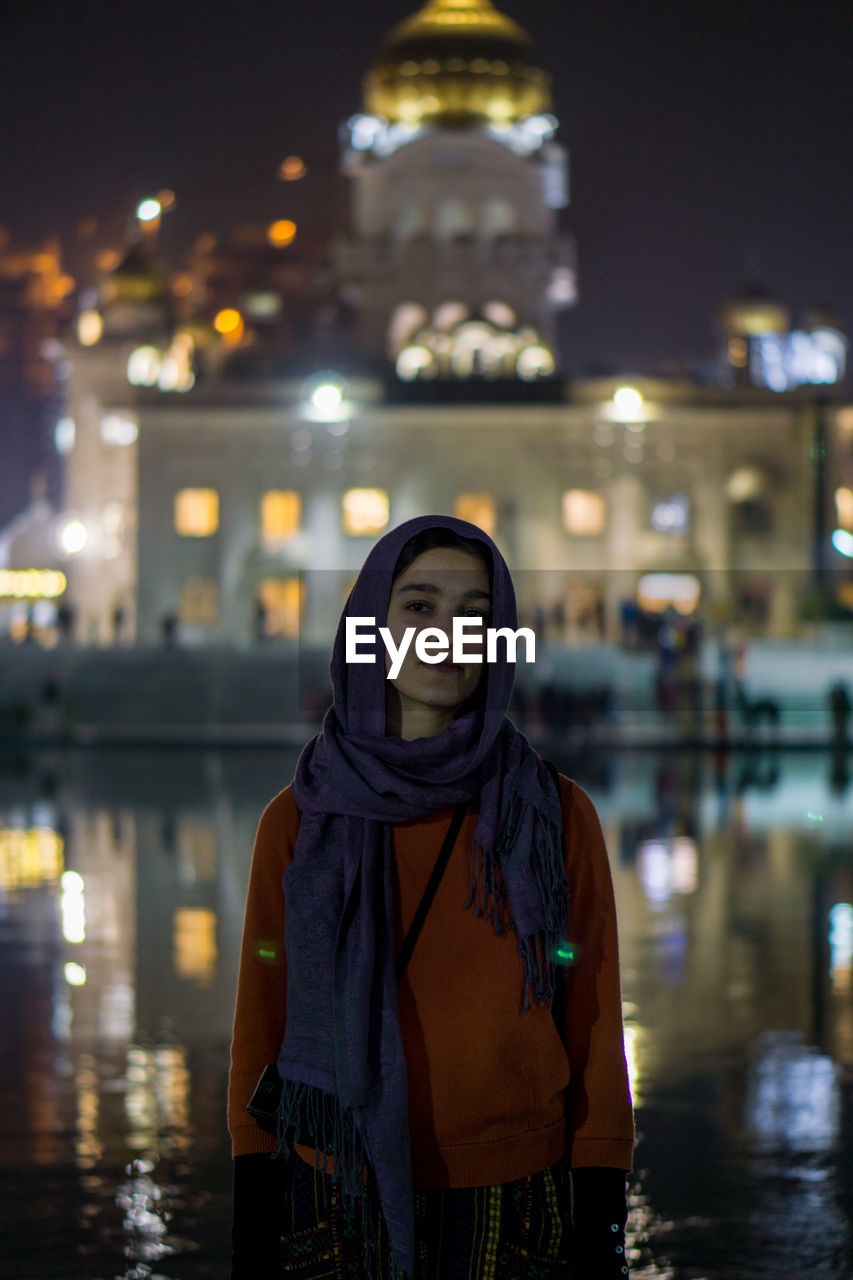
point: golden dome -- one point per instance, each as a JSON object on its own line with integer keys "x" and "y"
{"x": 752, "y": 311}
{"x": 457, "y": 61}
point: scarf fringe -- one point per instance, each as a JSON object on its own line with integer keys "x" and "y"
{"x": 538, "y": 949}
{"x": 312, "y": 1117}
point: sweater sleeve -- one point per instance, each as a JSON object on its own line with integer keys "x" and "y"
{"x": 600, "y": 1123}
{"x": 259, "y": 1015}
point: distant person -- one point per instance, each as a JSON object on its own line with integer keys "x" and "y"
{"x": 118, "y": 624}
{"x": 169, "y": 630}
{"x": 65, "y": 621}
{"x": 840, "y": 706}
{"x": 465, "y": 1114}
{"x": 260, "y": 621}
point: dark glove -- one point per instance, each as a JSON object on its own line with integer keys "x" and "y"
{"x": 599, "y": 1214}
{"x": 260, "y": 1185}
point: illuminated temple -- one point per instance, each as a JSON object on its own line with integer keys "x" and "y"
{"x": 227, "y": 488}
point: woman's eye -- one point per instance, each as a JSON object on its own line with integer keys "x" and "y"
{"x": 417, "y": 606}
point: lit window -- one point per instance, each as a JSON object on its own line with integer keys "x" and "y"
{"x": 119, "y": 429}
{"x": 406, "y": 320}
{"x": 280, "y": 603}
{"x": 281, "y": 511}
{"x": 497, "y": 218}
{"x": 583, "y": 513}
{"x": 500, "y": 314}
{"x": 196, "y": 513}
{"x": 199, "y": 601}
{"x": 411, "y": 221}
{"x": 449, "y": 315}
{"x": 478, "y": 509}
{"x": 535, "y": 362}
{"x": 454, "y": 218}
{"x": 365, "y": 511}
{"x": 656, "y": 592}
{"x": 844, "y": 507}
{"x": 194, "y": 937}
{"x": 672, "y": 515}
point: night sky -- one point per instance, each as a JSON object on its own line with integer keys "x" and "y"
{"x": 709, "y": 142}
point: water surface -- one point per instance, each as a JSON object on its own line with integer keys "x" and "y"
{"x": 122, "y": 878}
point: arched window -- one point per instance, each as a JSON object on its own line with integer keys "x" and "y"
{"x": 411, "y": 221}
{"x": 497, "y": 218}
{"x": 454, "y": 218}
{"x": 406, "y": 320}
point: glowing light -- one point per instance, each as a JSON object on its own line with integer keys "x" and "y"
{"x": 73, "y": 537}
{"x": 143, "y": 367}
{"x": 627, "y": 400}
{"x": 744, "y": 484}
{"x": 535, "y": 362}
{"x": 73, "y": 907}
{"x": 31, "y": 584}
{"x": 563, "y": 287}
{"x": 281, "y": 233}
{"x": 166, "y": 199}
{"x": 182, "y": 285}
{"x": 841, "y": 936}
{"x": 327, "y": 398}
{"x": 119, "y": 429}
{"x": 262, "y": 306}
{"x": 75, "y": 974}
{"x": 843, "y": 542}
{"x": 414, "y": 362}
{"x": 365, "y": 511}
{"x": 291, "y": 169}
{"x": 90, "y": 328}
{"x": 672, "y": 516}
{"x": 364, "y": 131}
{"x": 29, "y": 857}
{"x": 149, "y": 210}
{"x": 64, "y": 435}
{"x": 228, "y": 322}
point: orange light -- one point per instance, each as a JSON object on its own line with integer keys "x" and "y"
{"x": 282, "y": 233}
{"x": 182, "y": 286}
{"x": 292, "y": 169}
{"x": 228, "y": 322}
{"x": 166, "y": 199}
{"x": 106, "y": 259}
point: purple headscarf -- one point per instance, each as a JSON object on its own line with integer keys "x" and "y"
{"x": 342, "y": 1058}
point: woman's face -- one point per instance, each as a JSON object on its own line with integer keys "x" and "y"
{"x": 440, "y": 585}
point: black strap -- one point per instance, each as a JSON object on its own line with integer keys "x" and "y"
{"x": 558, "y": 1004}
{"x": 430, "y": 891}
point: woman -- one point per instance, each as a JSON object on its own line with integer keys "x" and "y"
{"x": 445, "y": 1128}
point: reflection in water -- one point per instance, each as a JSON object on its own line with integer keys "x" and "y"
{"x": 792, "y": 1096}
{"x": 122, "y": 881}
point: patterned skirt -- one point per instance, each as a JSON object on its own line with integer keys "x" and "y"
{"x": 510, "y": 1231}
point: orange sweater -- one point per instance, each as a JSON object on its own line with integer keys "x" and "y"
{"x": 493, "y": 1093}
